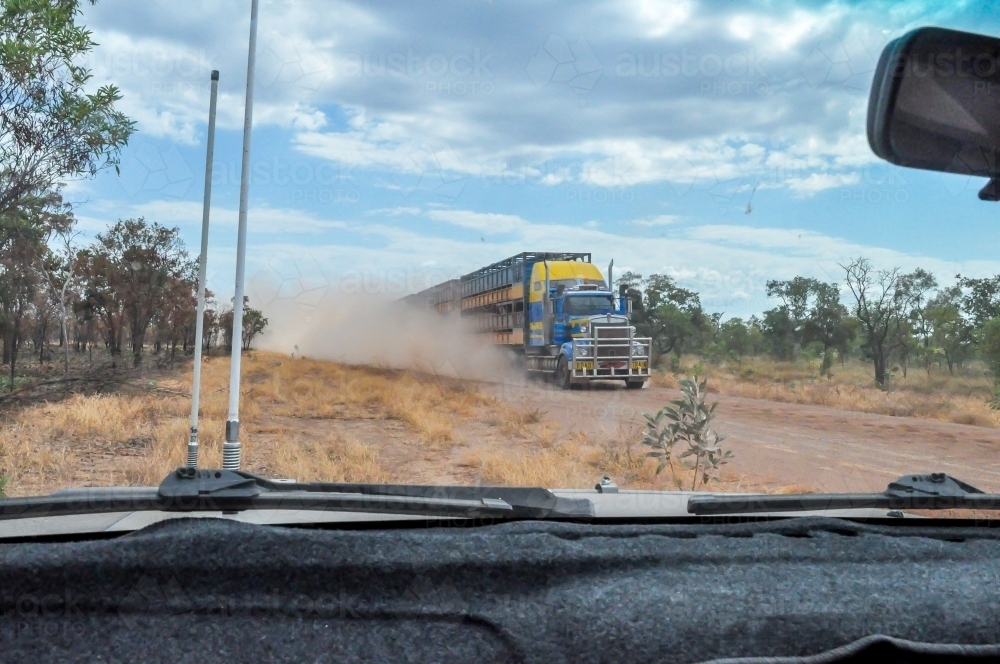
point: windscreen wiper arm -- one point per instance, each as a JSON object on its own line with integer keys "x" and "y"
{"x": 936, "y": 491}
{"x": 191, "y": 490}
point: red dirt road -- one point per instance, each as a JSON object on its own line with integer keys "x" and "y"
{"x": 778, "y": 444}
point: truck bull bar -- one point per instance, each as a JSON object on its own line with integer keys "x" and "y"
{"x": 610, "y": 354}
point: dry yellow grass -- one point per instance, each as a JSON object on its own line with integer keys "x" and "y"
{"x": 578, "y": 459}
{"x": 137, "y": 439}
{"x": 962, "y": 399}
{"x": 287, "y": 418}
{"x": 334, "y": 459}
{"x": 315, "y": 389}
{"x": 145, "y": 434}
{"x": 525, "y": 468}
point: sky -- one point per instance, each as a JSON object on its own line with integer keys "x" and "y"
{"x": 399, "y": 144}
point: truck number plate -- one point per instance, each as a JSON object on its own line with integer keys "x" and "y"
{"x": 585, "y": 364}
{"x": 639, "y": 366}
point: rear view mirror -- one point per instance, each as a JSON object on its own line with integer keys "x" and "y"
{"x": 935, "y": 104}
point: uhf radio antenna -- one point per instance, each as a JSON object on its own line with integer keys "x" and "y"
{"x": 231, "y": 450}
{"x": 199, "y": 325}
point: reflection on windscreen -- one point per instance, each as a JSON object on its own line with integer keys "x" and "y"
{"x": 587, "y": 305}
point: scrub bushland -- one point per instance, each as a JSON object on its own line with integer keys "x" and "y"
{"x": 962, "y": 398}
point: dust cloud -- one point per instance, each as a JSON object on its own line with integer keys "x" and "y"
{"x": 379, "y": 331}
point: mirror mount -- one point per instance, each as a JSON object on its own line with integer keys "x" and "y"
{"x": 991, "y": 192}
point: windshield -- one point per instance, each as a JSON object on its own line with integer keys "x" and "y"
{"x": 587, "y": 305}
{"x": 368, "y": 288}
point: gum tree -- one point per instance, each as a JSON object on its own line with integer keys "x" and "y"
{"x": 881, "y": 305}
{"x": 131, "y": 268}
{"x": 51, "y": 127}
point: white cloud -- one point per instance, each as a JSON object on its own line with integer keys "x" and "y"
{"x": 728, "y": 265}
{"x": 798, "y": 126}
{"x": 311, "y": 55}
{"x": 395, "y": 211}
{"x": 187, "y": 214}
{"x": 480, "y": 221}
{"x": 657, "y": 220}
{"x": 817, "y": 182}
{"x": 556, "y": 177}
{"x": 662, "y": 17}
{"x": 380, "y": 146}
{"x": 781, "y": 32}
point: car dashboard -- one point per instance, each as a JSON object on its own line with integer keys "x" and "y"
{"x": 806, "y": 588}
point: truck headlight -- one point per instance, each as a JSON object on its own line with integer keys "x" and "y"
{"x": 638, "y": 348}
{"x": 584, "y": 329}
{"x": 583, "y": 351}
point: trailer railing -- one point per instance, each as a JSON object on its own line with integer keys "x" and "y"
{"x": 513, "y": 270}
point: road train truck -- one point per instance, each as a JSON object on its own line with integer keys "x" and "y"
{"x": 555, "y": 311}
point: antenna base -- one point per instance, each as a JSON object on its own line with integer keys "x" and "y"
{"x": 231, "y": 453}
{"x": 231, "y": 449}
{"x": 192, "y": 458}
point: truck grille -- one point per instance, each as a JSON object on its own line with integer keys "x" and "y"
{"x": 612, "y": 341}
{"x": 611, "y": 331}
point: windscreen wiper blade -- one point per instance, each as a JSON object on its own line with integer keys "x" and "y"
{"x": 936, "y": 491}
{"x": 191, "y": 490}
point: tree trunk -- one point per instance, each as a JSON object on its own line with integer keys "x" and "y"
{"x": 13, "y": 361}
{"x": 879, "y": 358}
{"x": 65, "y": 336}
{"x": 136, "y": 352}
{"x": 15, "y": 330}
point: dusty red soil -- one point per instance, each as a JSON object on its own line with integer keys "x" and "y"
{"x": 776, "y": 445}
{"x": 815, "y": 447}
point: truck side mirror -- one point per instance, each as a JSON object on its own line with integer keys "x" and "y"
{"x": 628, "y": 304}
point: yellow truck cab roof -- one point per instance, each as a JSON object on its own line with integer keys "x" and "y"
{"x": 566, "y": 273}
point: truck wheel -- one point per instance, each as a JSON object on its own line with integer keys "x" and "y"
{"x": 634, "y": 384}
{"x": 562, "y": 376}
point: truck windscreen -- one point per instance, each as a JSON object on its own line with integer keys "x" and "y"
{"x": 588, "y": 305}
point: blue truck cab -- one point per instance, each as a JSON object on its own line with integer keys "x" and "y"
{"x": 578, "y": 330}
{"x": 576, "y": 292}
